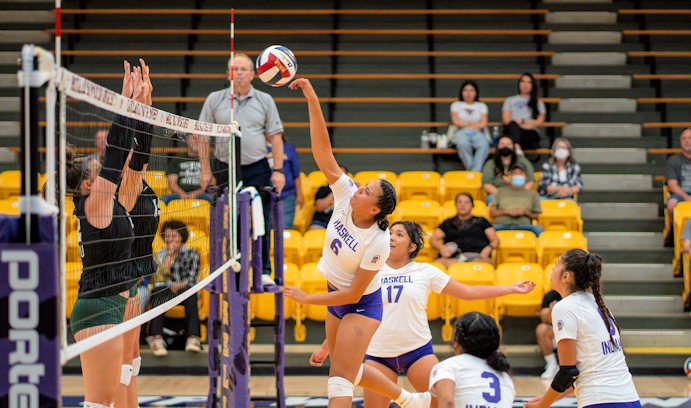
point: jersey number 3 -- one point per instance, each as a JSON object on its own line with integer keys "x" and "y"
{"x": 494, "y": 385}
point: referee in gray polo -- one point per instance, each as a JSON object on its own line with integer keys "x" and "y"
{"x": 256, "y": 113}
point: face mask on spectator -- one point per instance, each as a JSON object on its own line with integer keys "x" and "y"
{"x": 505, "y": 151}
{"x": 518, "y": 181}
{"x": 561, "y": 153}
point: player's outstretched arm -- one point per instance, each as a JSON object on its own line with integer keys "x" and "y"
{"x": 465, "y": 292}
{"x": 319, "y": 135}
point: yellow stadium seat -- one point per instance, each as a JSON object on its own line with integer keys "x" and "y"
{"x": 560, "y": 215}
{"x": 537, "y": 180}
{"x": 315, "y": 180}
{"x": 312, "y": 245}
{"x": 425, "y": 212}
{"x": 551, "y": 244}
{"x": 519, "y": 305}
{"x": 262, "y": 305}
{"x": 303, "y": 216}
{"x": 71, "y": 223}
{"x": 420, "y": 184}
{"x": 516, "y": 246}
{"x": 686, "y": 294}
{"x": 158, "y": 181}
{"x": 665, "y": 196}
{"x": 472, "y": 274}
{"x": 42, "y": 178}
{"x": 305, "y": 187}
{"x": 435, "y": 302}
{"x": 364, "y": 177}
{"x": 455, "y": 182}
{"x": 480, "y": 209}
{"x": 682, "y": 213}
{"x": 312, "y": 282}
{"x": 427, "y": 253}
{"x": 194, "y": 213}
{"x": 73, "y": 271}
{"x": 200, "y": 241}
{"x": 546, "y": 278}
{"x": 9, "y": 206}
{"x": 292, "y": 248}
{"x": 10, "y": 183}
{"x": 73, "y": 247}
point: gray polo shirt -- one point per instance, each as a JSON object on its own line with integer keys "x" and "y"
{"x": 257, "y": 116}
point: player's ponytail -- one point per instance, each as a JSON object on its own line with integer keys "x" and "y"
{"x": 76, "y": 171}
{"x": 478, "y": 335}
{"x": 386, "y": 204}
{"x": 587, "y": 270}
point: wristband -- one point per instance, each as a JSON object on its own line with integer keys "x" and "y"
{"x": 279, "y": 171}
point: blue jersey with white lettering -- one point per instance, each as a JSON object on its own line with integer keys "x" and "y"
{"x": 604, "y": 376}
{"x": 347, "y": 247}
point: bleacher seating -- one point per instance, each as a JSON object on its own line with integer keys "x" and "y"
{"x": 519, "y": 305}
{"x": 436, "y": 302}
{"x": 425, "y": 212}
{"x": 455, "y": 182}
{"x": 551, "y": 244}
{"x": 10, "y": 184}
{"x": 420, "y": 184}
{"x": 560, "y": 215}
{"x": 516, "y": 246}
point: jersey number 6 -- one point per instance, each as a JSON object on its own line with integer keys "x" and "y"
{"x": 335, "y": 246}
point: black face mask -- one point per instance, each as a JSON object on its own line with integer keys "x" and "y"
{"x": 505, "y": 151}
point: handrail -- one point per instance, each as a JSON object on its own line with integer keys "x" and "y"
{"x": 325, "y": 53}
{"x": 664, "y": 100}
{"x": 297, "y": 32}
{"x": 659, "y": 53}
{"x": 308, "y": 12}
{"x": 660, "y": 76}
{"x": 663, "y": 125}
{"x": 654, "y": 11}
{"x": 656, "y": 32}
{"x": 118, "y": 75}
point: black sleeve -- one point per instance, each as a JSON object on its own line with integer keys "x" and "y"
{"x": 323, "y": 192}
{"x": 446, "y": 227}
{"x": 550, "y": 297}
{"x": 484, "y": 224}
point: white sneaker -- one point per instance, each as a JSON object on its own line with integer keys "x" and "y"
{"x": 158, "y": 346}
{"x": 193, "y": 345}
{"x": 267, "y": 281}
{"x": 419, "y": 400}
{"x": 550, "y": 371}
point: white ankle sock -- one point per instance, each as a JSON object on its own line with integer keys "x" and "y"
{"x": 551, "y": 359}
{"x": 88, "y": 404}
{"x": 404, "y": 398}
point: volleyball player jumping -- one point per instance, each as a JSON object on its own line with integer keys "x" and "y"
{"x": 591, "y": 357}
{"x": 355, "y": 249}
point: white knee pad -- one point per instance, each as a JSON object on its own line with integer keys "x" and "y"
{"x": 126, "y": 374}
{"x": 88, "y": 404}
{"x": 136, "y": 365}
{"x": 358, "y": 377}
{"x": 339, "y": 387}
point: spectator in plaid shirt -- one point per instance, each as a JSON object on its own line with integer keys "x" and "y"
{"x": 178, "y": 270}
{"x": 560, "y": 177}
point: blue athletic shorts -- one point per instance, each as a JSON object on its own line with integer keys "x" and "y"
{"x": 402, "y": 363}
{"x": 635, "y": 404}
{"x": 674, "y": 197}
{"x": 369, "y": 305}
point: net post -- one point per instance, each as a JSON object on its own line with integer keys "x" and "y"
{"x": 279, "y": 317}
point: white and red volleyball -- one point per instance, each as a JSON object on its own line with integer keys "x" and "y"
{"x": 276, "y": 65}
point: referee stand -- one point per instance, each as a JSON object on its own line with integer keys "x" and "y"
{"x": 229, "y": 325}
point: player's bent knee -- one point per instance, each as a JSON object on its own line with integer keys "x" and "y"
{"x": 339, "y": 387}
{"x": 358, "y": 377}
{"x": 126, "y": 374}
{"x": 136, "y": 366}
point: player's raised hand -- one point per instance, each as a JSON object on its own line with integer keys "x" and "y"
{"x": 147, "y": 80}
{"x": 127, "y": 81}
{"x": 523, "y": 287}
{"x": 306, "y": 87}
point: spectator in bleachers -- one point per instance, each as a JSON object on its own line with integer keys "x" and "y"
{"x": 678, "y": 176}
{"x": 183, "y": 175}
{"x": 324, "y": 203}
{"x": 465, "y": 237}
{"x": 100, "y": 138}
{"x": 291, "y": 195}
{"x": 178, "y": 270}
{"x": 523, "y": 114}
{"x": 516, "y": 206}
{"x": 495, "y": 171}
{"x": 470, "y": 116}
{"x": 560, "y": 177}
{"x": 545, "y": 334}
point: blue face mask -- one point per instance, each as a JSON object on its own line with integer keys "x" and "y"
{"x": 518, "y": 181}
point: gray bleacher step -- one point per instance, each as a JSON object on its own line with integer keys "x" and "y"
{"x": 575, "y": 1}
{"x": 643, "y": 304}
{"x": 634, "y": 255}
{"x": 611, "y": 156}
{"x": 598, "y": 105}
{"x": 635, "y": 272}
{"x": 625, "y": 239}
{"x": 654, "y": 321}
{"x": 637, "y": 196}
{"x": 9, "y": 104}
{"x": 8, "y": 80}
{"x": 9, "y": 129}
{"x": 657, "y": 287}
{"x": 9, "y": 58}
{"x": 623, "y": 225}
{"x": 617, "y": 182}
{"x": 24, "y": 36}
{"x": 618, "y": 210}
{"x": 601, "y": 130}
{"x": 584, "y": 37}
{"x": 581, "y": 17}
{"x": 7, "y": 157}
{"x": 593, "y": 81}
{"x": 27, "y": 16}
{"x": 656, "y": 338}
{"x": 589, "y": 58}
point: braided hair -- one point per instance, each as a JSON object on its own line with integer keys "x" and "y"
{"x": 415, "y": 233}
{"x": 386, "y": 204}
{"x": 587, "y": 269}
{"x": 478, "y": 335}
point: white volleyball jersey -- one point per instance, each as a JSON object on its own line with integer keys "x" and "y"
{"x": 604, "y": 376}
{"x": 347, "y": 247}
{"x": 404, "y": 325}
{"x": 476, "y": 383}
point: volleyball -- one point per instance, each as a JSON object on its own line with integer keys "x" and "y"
{"x": 276, "y": 65}
{"x": 687, "y": 367}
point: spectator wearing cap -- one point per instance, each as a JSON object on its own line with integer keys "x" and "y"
{"x": 495, "y": 171}
{"x": 678, "y": 177}
{"x": 560, "y": 177}
{"x": 515, "y": 207}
